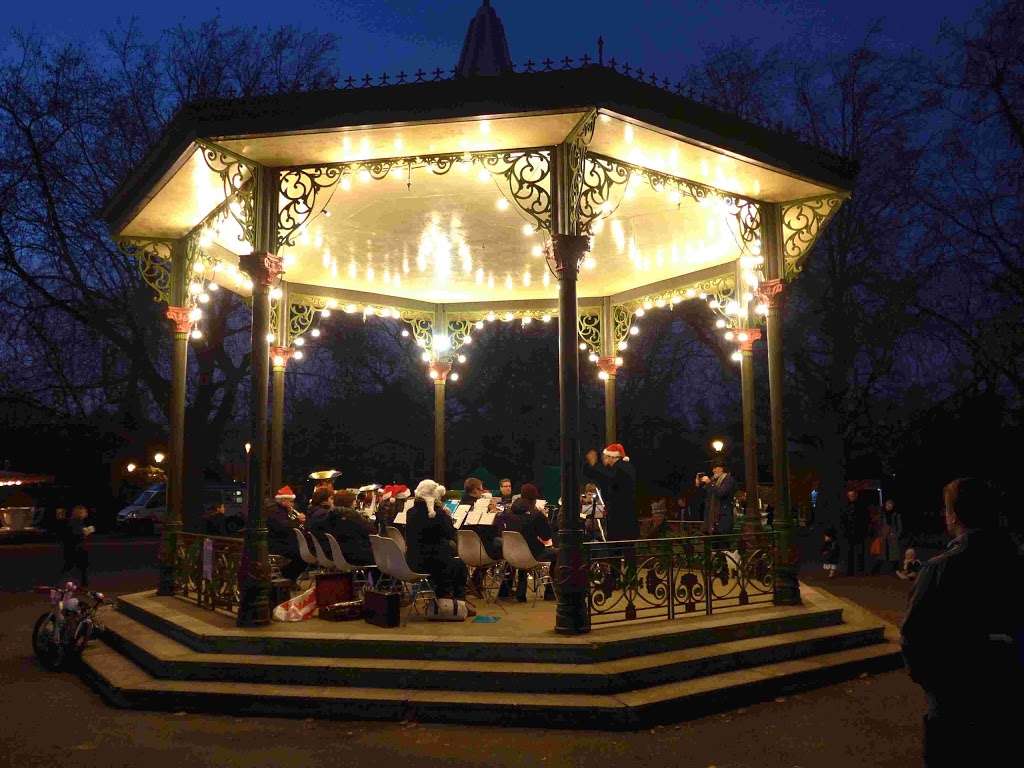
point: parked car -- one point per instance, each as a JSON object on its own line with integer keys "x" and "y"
{"x": 146, "y": 514}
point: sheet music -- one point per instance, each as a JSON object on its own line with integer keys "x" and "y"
{"x": 487, "y": 518}
{"x": 401, "y": 516}
{"x": 461, "y": 512}
{"x": 479, "y": 511}
{"x": 541, "y": 505}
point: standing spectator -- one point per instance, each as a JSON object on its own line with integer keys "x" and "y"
{"x": 962, "y": 635}
{"x": 892, "y": 534}
{"x": 76, "y": 553}
{"x": 830, "y": 553}
{"x": 854, "y": 522}
{"x": 214, "y": 523}
{"x": 719, "y": 505}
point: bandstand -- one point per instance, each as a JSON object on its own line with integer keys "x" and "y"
{"x": 582, "y": 193}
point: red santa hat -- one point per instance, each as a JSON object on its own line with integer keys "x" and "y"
{"x": 284, "y": 493}
{"x": 616, "y": 451}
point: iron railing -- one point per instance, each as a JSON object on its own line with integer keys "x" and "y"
{"x": 666, "y": 578}
{"x": 206, "y": 570}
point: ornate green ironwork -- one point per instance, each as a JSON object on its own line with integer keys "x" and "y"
{"x": 600, "y": 178}
{"x": 154, "y": 260}
{"x": 622, "y": 321}
{"x": 802, "y": 222}
{"x": 588, "y": 327}
{"x": 524, "y": 179}
{"x": 575, "y": 155}
{"x": 206, "y": 570}
{"x": 236, "y": 175}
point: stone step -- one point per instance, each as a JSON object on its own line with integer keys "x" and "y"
{"x": 124, "y": 683}
{"x": 206, "y": 632}
{"x": 165, "y": 658}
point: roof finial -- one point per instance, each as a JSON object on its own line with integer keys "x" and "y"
{"x": 485, "y": 50}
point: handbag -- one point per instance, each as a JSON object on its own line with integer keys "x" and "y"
{"x": 876, "y": 547}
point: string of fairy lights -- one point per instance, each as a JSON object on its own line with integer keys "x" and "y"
{"x": 731, "y": 313}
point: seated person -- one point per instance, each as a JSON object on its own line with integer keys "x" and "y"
{"x": 910, "y": 566}
{"x": 351, "y": 529}
{"x": 430, "y": 538}
{"x": 214, "y": 523}
{"x": 525, "y": 518}
{"x": 282, "y": 520}
{"x": 319, "y": 511}
{"x": 490, "y": 535}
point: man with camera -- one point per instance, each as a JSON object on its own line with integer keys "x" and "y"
{"x": 719, "y": 490}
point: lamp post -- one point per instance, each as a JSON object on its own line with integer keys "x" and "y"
{"x": 248, "y": 447}
{"x": 158, "y": 457}
{"x": 717, "y": 445}
{"x": 130, "y": 467}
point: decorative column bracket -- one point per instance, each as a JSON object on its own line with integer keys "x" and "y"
{"x": 236, "y": 174}
{"x": 802, "y": 222}
{"x": 154, "y": 260}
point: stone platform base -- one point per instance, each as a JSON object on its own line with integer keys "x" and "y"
{"x": 165, "y": 653}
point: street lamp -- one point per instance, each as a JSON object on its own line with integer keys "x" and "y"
{"x": 158, "y": 457}
{"x": 248, "y": 447}
{"x": 130, "y": 467}
{"x": 718, "y": 445}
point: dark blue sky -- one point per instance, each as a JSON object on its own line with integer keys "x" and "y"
{"x": 388, "y": 35}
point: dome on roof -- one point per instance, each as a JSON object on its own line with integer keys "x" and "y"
{"x": 485, "y": 50}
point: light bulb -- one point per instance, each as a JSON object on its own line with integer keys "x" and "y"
{"x": 299, "y": 341}
{"x": 454, "y": 376}
{"x": 623, "y": 346}
{"x": 545, "y": 318}
{"x": 527, "y": 230}
{"x": 276, "y": 293}
{"x": 270, "y": 337}
{"x": 196, "y": 333}
{"x": 432, "y": 374}
{"x": 602, "y": 375}
{"x": 761, "y": 309}
{"x": 729, "y": 335}
{"x": 690, "y": 293}
{"x": 592, "y": 358}
{"x": 212, "y": 287}
{"x": 315, "y": 333}
{"x": 635, "y": 330}
{"x": 508, "y": 317}
{"x": 425, "y": 357}
{"x": 490, "y": 317}
{"x": 501, "y": 203}
{"x": 203, "y": 298}
{"x": 648, "y": 305}
{"x": 405, "y": 334}
{"x": 479, "y": 325}
{"x": 737, "y": 356}
{"x": 527, "y": 320}
{"x": 421, "y": 343}
{"x": 640, "y": 312}
{"x": 713, "y": 303}
{"x": 589, "y": 263}
{"x": 483, "y": 176}
{"x": 278, "y": 360}
{"x": 676, "y": 299}
{"x": 350, "y": 308}
{"x": 297, "y": 354}
{"x": 583, "y": 347}
{"x": 462, "y": 358}
{"x": 194, "y": 288}
{"x": 742, "y": 336}
{"x": 618, "y": 361}
{"x": 720, "y": 323}
{"x": 195, "y": 314}
{"x": 659, "y": 303}
{"x": 325, "y": 312}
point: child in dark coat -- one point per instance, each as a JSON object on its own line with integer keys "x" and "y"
{"x": 830, "y": 553}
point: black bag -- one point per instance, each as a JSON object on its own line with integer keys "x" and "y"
{"x": 382, "y": 609}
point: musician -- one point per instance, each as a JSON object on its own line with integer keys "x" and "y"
{"x": 430, "y": 536}
{"x": 282, "y": 520}
{"x": 350, "y": 528}
{"x": 319, "y": 511}
{"x": 506, "y": 498}
{"x": 524, "y": 517}
{"x": 592, "y": 509}
{"x": 490, "y": 535}
{"x": 324, "y": 478}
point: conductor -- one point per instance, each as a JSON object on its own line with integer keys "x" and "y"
{"x": 617, "y": 480}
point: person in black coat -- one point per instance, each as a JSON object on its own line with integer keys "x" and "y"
{"x": 963, "y": 635}
{"x": 854, "y": 524}
{"x": 524, "y": 518}
{"x": 720, "y": 499}
{"x": 76, "y": 552}
{"x": 616, "y": 479}
{"x": 490, "y": 535}
{"x": 214, "y": 522}
{"x": 430, "y": 537}
{"x": 282, "y": 520}
{"x": 351, "y": 529}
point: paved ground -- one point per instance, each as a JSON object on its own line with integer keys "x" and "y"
{"x": 55, "y": 719}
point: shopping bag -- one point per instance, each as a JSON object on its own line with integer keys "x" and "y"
{"x": 298, "y": 608}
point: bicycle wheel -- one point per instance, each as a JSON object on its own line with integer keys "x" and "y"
{"x": 46, "y": 642}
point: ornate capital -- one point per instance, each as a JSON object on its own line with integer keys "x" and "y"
{"x": 179, "y": 317}
{"x": 263, "y": 267}
{"x": 440, "y": 369}
{"x": 608, "y": 365}
{"x": 747, "y": 337}
{"x": 279, "y": 357}
{"x": 566, "y": 251}
{"x": 770, "y": 292}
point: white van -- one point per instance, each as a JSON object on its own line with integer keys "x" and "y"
{"x": 147, "y": 512}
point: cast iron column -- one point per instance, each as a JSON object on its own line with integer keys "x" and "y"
{"x": 176, "y": 449}
{"x": 264, "y": 269}
{"x": 787, "y": 565}
{"x": 279, "y": 357}
{"x": 606, "y": 363}
{"x": 752, "y": 515}
{"x": 573, "y": 613}
{"x": 439, "y": 370}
